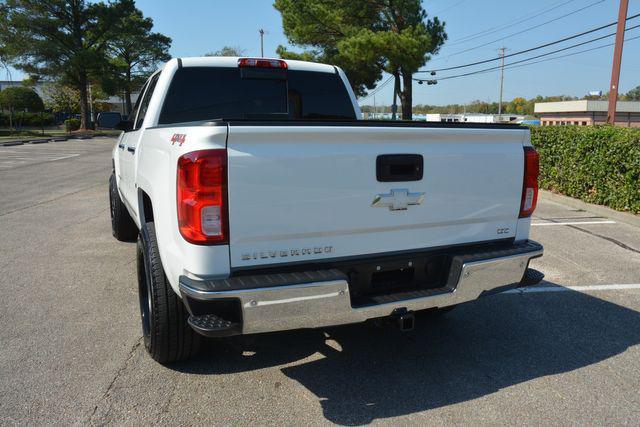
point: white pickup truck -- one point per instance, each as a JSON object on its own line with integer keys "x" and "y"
{"x": 261, "y": 201}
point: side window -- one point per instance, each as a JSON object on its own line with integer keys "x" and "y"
{"x": 144, "y": 103}
{"x": 132, "y": 113}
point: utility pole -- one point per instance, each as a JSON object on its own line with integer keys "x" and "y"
{"x": 396, "y": 89}
{"x": 6, "y": 66}
{"x": 261, "y": 31}
{"x": 502, "y": 50}
{"x": 617, "y": 62}
{"x": 374, "y": 105}
{"x": 91, "y": 106}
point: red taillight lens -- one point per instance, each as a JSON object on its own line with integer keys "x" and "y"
{"x": 262, "y": 63}
{"x": 530, "y": 182}
{"x": 202, "y": 197}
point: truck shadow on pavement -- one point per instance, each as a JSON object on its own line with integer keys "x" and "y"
{"x": 362, "y": 373}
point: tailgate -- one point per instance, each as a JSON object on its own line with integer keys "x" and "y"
{"x": 307, "y": 193}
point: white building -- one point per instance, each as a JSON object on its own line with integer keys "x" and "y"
{"x": 475, "y": 118}
{"x": 586, "y": 113}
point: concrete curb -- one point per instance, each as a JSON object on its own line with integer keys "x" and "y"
{"x": 51, "y": 139}
{"x": 624, "y": 217}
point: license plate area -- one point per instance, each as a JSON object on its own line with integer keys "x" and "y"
{"x": 370, "y": 281}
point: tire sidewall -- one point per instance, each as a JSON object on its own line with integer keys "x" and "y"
{"x": 145, "y": 285}
{"x": 113, "y": 193}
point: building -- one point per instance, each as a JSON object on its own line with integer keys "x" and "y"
{"x": 474, "y": 118}
{"x": 451, "y": 117}
{"x": 586, "y": 113}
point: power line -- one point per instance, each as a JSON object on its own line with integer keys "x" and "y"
{"x": 532, "y": 58}
{"x": 492, "y": 30}
{"x": 528, "y": 50}
{"x": 527, "y": 29}
{"x": 449, "y": 7}
{"x": 571, "y": 54}
{"x": 510, "y": 66}
{"x": 377, "y": 89}
{"x": 519, "y": 65}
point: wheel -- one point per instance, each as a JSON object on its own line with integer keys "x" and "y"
{"x": 122, "y": 226}
{"x": 167, "y": 335}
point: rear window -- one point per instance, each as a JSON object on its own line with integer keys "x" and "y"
{"x": 207, "y": 93}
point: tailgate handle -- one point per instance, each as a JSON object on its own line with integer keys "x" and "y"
{"x": 399, "y": 167}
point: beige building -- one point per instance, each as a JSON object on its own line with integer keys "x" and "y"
{"x": 586, "y": 113}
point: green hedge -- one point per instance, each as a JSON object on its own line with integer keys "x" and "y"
{"x": 22, "y": 118}
{"x": 71, "y": 124}
{"x": 597, "y": 164}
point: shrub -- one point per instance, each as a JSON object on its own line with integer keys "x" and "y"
{"x": 20, "y": 98}
{"x": 22, "y": 119}
{"x": 71, "y": 124}
{"x": 40, "y": 119}
{"x": 598, "y": 164}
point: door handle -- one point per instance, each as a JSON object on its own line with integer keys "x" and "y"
{"x": 399, "y": 167}
{"x": 121, "y": 146}
{"x": 132, "y": 150}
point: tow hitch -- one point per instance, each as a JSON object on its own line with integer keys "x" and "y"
{"x": 406, "y": 320}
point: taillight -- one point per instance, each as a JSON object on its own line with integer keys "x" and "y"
{"x": 262, "y": 63}
{"x": 202, "y": 197}
{"x": 530, "y": 182}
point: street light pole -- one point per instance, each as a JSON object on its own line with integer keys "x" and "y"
{"x": 261, "y": 31}
{"x": 617, "y": 62}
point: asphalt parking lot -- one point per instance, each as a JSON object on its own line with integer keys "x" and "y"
{"x": 564, "y": 352}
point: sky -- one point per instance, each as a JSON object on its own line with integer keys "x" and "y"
{"x": 200, "y": 26}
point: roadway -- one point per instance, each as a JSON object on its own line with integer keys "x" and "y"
{"x": 564, "y": 352}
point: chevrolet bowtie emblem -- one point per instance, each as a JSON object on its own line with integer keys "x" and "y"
{"x": 398, "y": 199}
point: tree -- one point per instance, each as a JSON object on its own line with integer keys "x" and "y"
{"x": 633, "y": 94}
{"x": 365, "y": 37}
{"x": 318, "y": 26}
{"x": 60, "y": 39}
{"x": 5, "y": 33}
{"x": 227, "y": 51}
{"x": 134, "y": 51}
{"x": 60, "y": 98}
{"x": 20, "y": 98}
{"x": 517, "y": 106}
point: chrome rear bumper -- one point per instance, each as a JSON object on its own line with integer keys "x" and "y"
{"x": 307, "y": 302}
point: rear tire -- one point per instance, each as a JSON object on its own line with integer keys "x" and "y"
{"x": 123, "y": 227}
{"x": 167, "y": 335}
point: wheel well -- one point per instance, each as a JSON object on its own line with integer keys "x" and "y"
{"x": 146, "y": 208}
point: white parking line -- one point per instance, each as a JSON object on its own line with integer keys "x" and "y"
{"x": 539, "y": 224}
{"x": 540, "y": 289}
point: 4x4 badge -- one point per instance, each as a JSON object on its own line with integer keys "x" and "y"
{"x": 179, "y": 138}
